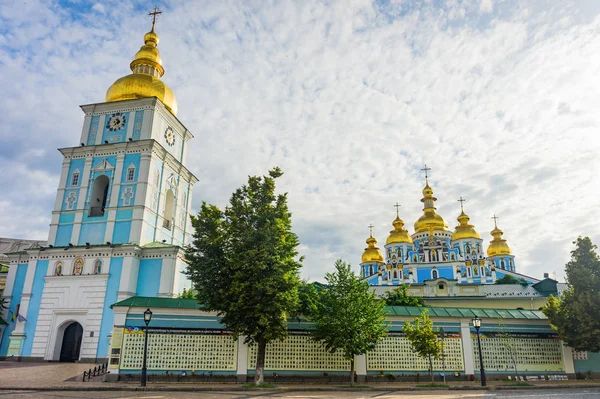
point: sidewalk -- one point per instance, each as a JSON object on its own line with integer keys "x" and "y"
{"x": 67, "y": 377}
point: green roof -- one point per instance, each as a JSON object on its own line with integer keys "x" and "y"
{"x": 180, "y": 303}
{"x": 466, "y": 312}
{"x": 153, "y": 302}
{"x": 156, "y": 244}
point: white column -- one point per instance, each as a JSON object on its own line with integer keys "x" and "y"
{"x": 129, "y": 278}
{"x": 360, "y": 366}
{"x": 167, "y": 277}
{"x": 467, "y": 344}
{"x": 26, "y": 296}
{"x": 567, "y": 353}
{"x": 62, "y": 184}
{"x": 242, "y": 359}
{"x": 85, "y": 130}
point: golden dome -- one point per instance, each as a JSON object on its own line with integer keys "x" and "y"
{"x": 399, "y": 234}
{"x": 464, "y": 229}
{"x": 145, "y": 80}
{"x": 430, "y": 219}
{"x": 372, "y": 253}
{"x": 498, "y": 245}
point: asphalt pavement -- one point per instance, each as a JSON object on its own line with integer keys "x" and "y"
{"x": 582, "y": 393}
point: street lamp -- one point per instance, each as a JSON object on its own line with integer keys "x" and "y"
{"x": 477, "y": 324}
{"x": 147, "y": 318}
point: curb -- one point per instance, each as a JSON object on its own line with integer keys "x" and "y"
{"x": 288, "y": 389}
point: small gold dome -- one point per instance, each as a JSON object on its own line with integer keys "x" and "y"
{"x": 145, "y": 80}
{"x": 372, "y": 253}
{"x": 464, "y": 229}
{"x": 498, "y": 245}
{"x": 430, "y": 220}
{"x": 399, "y": 234}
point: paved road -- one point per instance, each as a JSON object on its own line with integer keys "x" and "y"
{"x": 526, "y": 394}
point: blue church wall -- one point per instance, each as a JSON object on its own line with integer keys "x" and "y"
{"x": 446, "y": 272}
{"x": 12, "y": 307}
{"x": 122, "y": 199}
{"x": 75, "y": 165}
{"x": 112, "y": 286}
{"x": 66, "y": 218}
{"x": 121, "y": 232}
{"x": 124, "y": 214}
{"x": 92, "y": 232}
{"x": 423, "y": 274}
{"x": 149, "y": 277}
{"x": 116, "y": 136}
{"x": 129, "y": 160}
{"x": 137, "y": 125}
{"x": 33, "y": 310}
{"x": 93, "y": 132}
{"x": 591, "y": 364}
{"x": 63, "y": 235}
{"x": 69, "y": 204}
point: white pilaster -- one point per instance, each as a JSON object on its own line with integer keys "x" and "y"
{"x": 467, "y": 344}
{"x": 167, "y": 276}
{"x": 242, "y": 359}
{"x": 360, "y": 366}
{"x": 129, "y": 277}
{"x": 567, "y": 353}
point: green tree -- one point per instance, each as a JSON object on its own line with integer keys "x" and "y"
{"x": 244, "y": 263}
{"x": 574, "y": 315}
{"x": 424, "y": 338}
{"x": 187, "y": 294}
{"x": 308, "y": 297}
{"x": 348, "y": 317}
{"x": 508, "y": 279}
{"x": 399, "y": 296}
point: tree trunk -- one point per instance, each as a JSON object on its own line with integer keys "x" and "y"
{"x": 352, "y": 371}
{"x": 431, "y": 368}
{"x": 259, "y": 377}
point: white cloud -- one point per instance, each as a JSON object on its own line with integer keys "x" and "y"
{"x": 350, "y": 99}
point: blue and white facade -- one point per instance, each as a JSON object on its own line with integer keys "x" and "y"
{"x": 434, "y": 252}
{"x": 118, "y": 229}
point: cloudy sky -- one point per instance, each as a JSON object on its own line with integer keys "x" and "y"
{"x": 350, "y": 98}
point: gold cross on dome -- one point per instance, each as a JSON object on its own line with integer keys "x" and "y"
{"x": 426, "y": 170}
{"x": 371, "y": 229}
{"x": 461, "y": 200}
{"x": 397, "y": 205}
{"x": 154, "y": 13}
{"x": 495, "y": 219}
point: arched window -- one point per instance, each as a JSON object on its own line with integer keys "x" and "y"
{"x": 75, "y": 178}
{"x": 475, "y": 271}
{"x": 97, "y": 266}
{"x": 434, "y": 274}
{"x": 414, "y": 258}
{"x": 131, "y": 173}
{"x": 452, "y": 256}
{"x": 169, "y": 208}
{"x": 78, "y": 266}
{"x": 502, "y": 264}
{"x": 58, "y": 268}
{"x": 99, "y": 196}
{"x": 433, "y": 257}
{"x": 371, "y": 270}
{"x": 395, "y": 273}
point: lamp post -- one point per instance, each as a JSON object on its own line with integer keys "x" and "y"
{"x": 147, "y": 318}
{"x": 477, "y": 324}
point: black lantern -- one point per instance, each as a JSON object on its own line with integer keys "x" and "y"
{"x": 477, "y": 324}
{"x": 147, "y": 318}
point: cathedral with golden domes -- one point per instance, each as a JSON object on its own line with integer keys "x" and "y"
{"x": 434, "y": 252}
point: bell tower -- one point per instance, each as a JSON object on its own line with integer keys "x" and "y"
{"x": 126, "y": 183}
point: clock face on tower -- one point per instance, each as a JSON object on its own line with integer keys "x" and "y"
{"x": 116, "y": 122}
{"x": 170, "y": 136}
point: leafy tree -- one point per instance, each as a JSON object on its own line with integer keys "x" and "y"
{"x": 187, "y": 294}
{"x": 509, "y": 343}
{"x": 508, "y": 279}
{"x": 243, "y": 263}
{"x": 348, "y": 317}
{"x": 399, "y": 296}
{"x": 424, "y": 338}
{"x": 574, "y": 315}
{"x": 308, "y": 296}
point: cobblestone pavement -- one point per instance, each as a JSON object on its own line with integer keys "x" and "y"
{"x": 535, "y": 394}
{"x": 30, "y": 374}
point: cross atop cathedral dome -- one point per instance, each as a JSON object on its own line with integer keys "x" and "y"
{"x": 144, "y": 81}
{"x": 464, "y": 229}
{"x": 429, "y": 219}
{"x": 399, "y": 234}
{"x": 372, "y": 253}
{"x": 498, "y": 245}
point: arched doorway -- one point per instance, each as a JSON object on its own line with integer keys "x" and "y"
{"x": 71, "y": 343}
